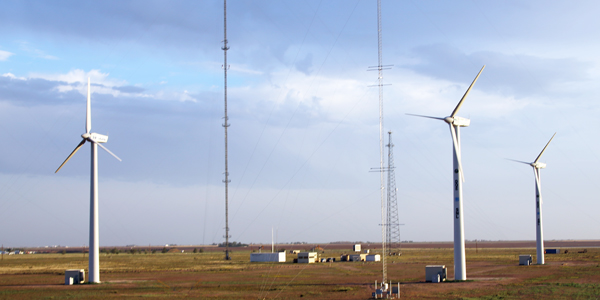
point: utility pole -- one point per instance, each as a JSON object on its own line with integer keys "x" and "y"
{"x": 226, "y": 125}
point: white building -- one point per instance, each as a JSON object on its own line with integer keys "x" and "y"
{"x": 307, "y": 257}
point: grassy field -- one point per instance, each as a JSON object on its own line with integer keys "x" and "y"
{"x": 492, "y": 273}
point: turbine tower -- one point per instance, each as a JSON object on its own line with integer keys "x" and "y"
{"x": 460, "y": 267}
{"x": 96, "y": 140}
{"x": 539, "y": 232}
{"x": 226, "y": 125}
{"x": 393, "y": 225}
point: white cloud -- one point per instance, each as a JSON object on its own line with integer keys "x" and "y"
{"x": 77, "y": 80}
{"x": 102, "y": 83}
{"x": 36, "y": 52}
{"x": 4, "y": 55}
{"x": 12, "y": 76}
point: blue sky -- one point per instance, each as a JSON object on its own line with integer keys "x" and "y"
{"x": 304, "y": 121}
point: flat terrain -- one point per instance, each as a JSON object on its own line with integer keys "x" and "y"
{"x": 493, "y": 274}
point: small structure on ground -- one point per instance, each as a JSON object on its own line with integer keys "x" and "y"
{"x": 267, "y": 257}
{"x": 390, "y": 291}
{"x": 373, "y": 257}
{"x": 435, "y": 273}
{"x": 525, "y": 259}
{"x": 74, "y": 276}
{"x": 356, "y": 248}
{"x": 307, "y": 257}
{"x": 358, "y": 257}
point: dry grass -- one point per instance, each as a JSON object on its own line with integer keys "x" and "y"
{"x": 493, "y": 274}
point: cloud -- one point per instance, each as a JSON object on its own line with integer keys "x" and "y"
{"x": 518, "y": 74}
{"x": 128, "y": 89}
{"x": 33, "y": 91}
{"x": 39, "y": 88}
{"x": 305, "y": 65}
{"x": 35, "y": 52}
{"x": 4, "y": 55}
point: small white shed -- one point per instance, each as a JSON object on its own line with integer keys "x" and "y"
{"x": 74, "y": 276}
{"x": 525, "y": 259}
{"x": 356, "y": 248}
{"x": 432, "y": 272}
{"x": 307, "y": 257}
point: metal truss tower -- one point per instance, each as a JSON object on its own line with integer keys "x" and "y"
{"x": 226, "y": 125}
{"x": 379, "y": 68}
{"x": 392, "y": 224}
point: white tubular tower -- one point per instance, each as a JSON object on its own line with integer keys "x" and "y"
{"x": 539, "y": 224}
{"x": 96, "y": 140}
{"x": 455, "y": 122}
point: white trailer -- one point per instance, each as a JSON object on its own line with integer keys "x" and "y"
{"x": 307, "y": 257}
{"x": 358, "y": 257}
{"x": 373, "y": 257}
{"x": 267, "y": 257}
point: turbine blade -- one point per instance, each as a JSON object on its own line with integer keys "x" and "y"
{"x": 422, "y": 116}
{"x": 457, "y": 151}
{"x": 466, "y": 93}
{"x": 71, "y": 155}
{"x": 538, "y": 158}
{"x": 88, "y": 115}
{"x": 106, "y": 149}
{"x": 519, "y": 161}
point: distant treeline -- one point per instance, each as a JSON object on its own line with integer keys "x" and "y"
{"x": 349, "y": 242}
{"x": 233, "y": 244}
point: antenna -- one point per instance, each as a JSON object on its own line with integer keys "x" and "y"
{"x": 393, "y": 225}
{"x": 225, "y": 125}
{"x": 380, "y": 68}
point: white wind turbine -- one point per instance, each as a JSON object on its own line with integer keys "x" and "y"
{"x": 539, "y": 233}
{"x": 95, "y": 139}
{"x": 460, "y": 267}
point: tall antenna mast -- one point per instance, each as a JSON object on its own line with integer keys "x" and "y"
{"x": 380, "y": 67}
{"x": 382, "y": 187}
{"x": 393, "y": 226}
{"x": 225, "y": 125}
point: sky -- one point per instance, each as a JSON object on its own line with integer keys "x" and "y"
{"x": 304, "y": 119}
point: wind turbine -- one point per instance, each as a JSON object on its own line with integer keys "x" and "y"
{"x": 96, "y": 140}
{"x": 539, "y": 233}
{"x": 460, "y": 267}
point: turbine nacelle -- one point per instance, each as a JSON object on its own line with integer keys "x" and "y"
{"x": 95, "y": 137}
{"x": 538, "y": 165}
{"x": 457, "y": 121}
